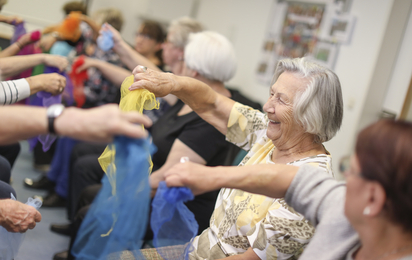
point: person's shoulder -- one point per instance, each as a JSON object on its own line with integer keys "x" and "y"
{"x": 239, "y": 97}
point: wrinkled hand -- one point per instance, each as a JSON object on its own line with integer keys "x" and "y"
{"x": 57, "y": 61}
{"x": 18, "y": 217}
{"x": 46, "y": 42}
{"x": 101, "y": 124}
{"x": 52, "y": 83}
{"x": 197, "y": 177}
{"x": 160, "y": 83}
{"x": 26, "y": 39}
{"x": 116, "y": 35}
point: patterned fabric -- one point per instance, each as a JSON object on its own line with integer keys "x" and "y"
{"x": 242, "y": 220}
{"x": 99, "y": 90}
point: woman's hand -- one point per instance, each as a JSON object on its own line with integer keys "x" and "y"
{"x": 18, "y": 217}
{"x": 57, "y": 61}
{"x": 101, "y": 124}
{"x": 116, "y": 35}
{"x": 88, "y": 63}
{"x": 160, "y": 83}
{"x": 29, "y": 38}
{"x": 52, "y": 83}
{"x": 198, "y": 178}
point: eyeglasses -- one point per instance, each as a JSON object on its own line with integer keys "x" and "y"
{"x": 145, "y": 36}
{"x": 346, "y": 169}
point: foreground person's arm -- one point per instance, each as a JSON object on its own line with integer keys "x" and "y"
{"x": 97, "y": 124}
{"x": 11, "y": 66}
{"x": 265, "y": 179}
{"x": 208, "y": 104}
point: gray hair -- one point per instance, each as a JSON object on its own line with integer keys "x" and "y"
{"x": 319, "y": 108}
{"x": 211, "y": 55}
{"x": 180, "y": 29}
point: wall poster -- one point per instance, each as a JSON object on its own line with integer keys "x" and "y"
{"x": 301, "y": 28}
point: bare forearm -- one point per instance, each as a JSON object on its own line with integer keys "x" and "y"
{"x": 131, "y": 58}
{"x": 207, "y": 103}
{"x": 11, "y": 66}
{"x": 21, "y": 122}
{"x": 265, "y": 179}
{"x": 112, "y": 72}
{"x": 10, "y": 51}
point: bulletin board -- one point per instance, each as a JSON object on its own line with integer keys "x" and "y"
{"x": 305, "y": 29}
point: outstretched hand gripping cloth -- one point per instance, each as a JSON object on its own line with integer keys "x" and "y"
{"x": 19, "y": 31}
{"x": 136, "y": 100}
{"x": 173, "y": 224}
{"x": 78, "y": 79}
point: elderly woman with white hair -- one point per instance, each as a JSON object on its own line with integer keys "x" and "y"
{"x": 304, "y": 110}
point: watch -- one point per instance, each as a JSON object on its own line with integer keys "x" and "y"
{"x": 53, "y": 112}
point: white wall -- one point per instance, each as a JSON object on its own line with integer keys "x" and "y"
{"x": 355, "y": 66}
{"x": 402, "y": 73}
{"x": 244, "y": 23}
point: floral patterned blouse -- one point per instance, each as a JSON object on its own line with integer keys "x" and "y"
{"x": 241, "y": 219}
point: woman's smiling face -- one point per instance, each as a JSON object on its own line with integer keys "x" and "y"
{"x": 282, "y": 127}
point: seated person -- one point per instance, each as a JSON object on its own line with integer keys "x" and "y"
{"x": 180, "y": 131}
{"x": 108, "y": 74}
{"x": 304, "y": 109}
{"x": 372, "y": 222}
{"x": 98, "y": 91}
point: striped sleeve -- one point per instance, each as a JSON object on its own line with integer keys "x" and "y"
{"x": 12, "y": 91}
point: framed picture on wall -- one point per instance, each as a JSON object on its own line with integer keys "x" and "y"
{"x": 325, "y": 54}
{"x": 340, "y": 28}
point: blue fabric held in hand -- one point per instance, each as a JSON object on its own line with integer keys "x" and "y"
{"x": 105, "y": 40}
{"x": 117, "y": 219}
{"x": 173, "y": 224}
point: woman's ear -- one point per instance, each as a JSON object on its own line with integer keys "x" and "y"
{"x": 377, "y": 199}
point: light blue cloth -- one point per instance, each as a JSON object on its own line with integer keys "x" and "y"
{"x": 117, "y": 221}
{"x": 105, "y": 41}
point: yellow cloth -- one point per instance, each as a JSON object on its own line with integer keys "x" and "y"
{"x": 135, "y": 100}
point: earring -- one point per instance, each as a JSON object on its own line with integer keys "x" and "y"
{"x": 366, "y": 211}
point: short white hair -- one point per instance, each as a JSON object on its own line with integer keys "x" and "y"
{"x": 319, "y": 108}
{"x": 211, "y": 55}
{"x": 180, "y": 29}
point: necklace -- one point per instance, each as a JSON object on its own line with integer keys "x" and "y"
{"x": 395, "y": 251}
